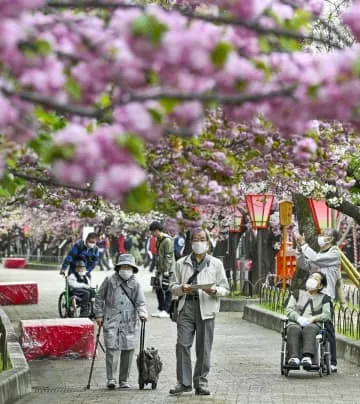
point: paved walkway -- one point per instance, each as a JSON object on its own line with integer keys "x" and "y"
{"x": 245, "y": 362}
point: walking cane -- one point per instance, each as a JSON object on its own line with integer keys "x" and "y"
{"x": 94, "y": 356}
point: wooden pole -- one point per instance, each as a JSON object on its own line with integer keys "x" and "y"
{"x": 284, "y": 260}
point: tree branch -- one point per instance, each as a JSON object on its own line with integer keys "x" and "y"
{"x": 225, "y": 99}
{"x": 53, "y": 104}
{"x": 234, "y": 99}
{"x": 48, "y": 182}
{"x": 223, "y": 20}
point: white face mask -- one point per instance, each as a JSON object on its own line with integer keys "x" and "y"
{"x": 91, "y": 245}
{"x": 322, "y": 241}
{"x": 82, "y": 273}
{"x": 311, "y": 284}
{"x": 126, "y": 274}
{"x": 200, "y": 247}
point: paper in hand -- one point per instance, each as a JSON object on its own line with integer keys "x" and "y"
{"x": 203, "y": 286}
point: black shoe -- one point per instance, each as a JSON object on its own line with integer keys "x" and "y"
{"x": 111, "y": 384}
{"x": 179, "y": 389}
{"x": 202, "y": 391}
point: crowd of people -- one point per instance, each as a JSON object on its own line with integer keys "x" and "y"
{"x": 194, "y": 281}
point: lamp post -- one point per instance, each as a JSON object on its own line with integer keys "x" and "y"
{"x": 285, "y": 214}
{"x": 236, "y": 222}
{"x": 259, "y": 208}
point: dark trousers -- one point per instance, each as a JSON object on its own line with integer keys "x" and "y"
{"x": 164, "y": 299}
{"x": 153, "y": 263}
{"x": 84, "y": 295}
{"x": 304, "y": 337}
{"x": 104, "y": 261}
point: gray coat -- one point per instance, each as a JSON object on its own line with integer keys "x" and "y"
{"x": 121, "y": 319}
{"x": 327, "y": 262}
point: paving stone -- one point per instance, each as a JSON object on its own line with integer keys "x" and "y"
{"x": 245, "y": 363}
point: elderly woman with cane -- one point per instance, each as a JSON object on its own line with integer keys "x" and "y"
{"x": 119, "y": 304}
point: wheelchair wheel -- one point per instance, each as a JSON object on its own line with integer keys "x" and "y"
{"x": 327, "y": 359}
{"x": 63, "y": 312}
{"x": 282, "y": 358}
{"x": 74, "y": 307}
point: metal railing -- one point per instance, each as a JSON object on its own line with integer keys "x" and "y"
{"x": 346, "y": 321}
{"x": 3, "y": 346}
{"x": 41, "y": 259}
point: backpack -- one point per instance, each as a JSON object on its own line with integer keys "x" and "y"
{"x": 128, "y": 243}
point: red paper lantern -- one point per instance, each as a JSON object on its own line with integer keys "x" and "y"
{"x": 321, "y": 214}
{"x": 259, "y": 207}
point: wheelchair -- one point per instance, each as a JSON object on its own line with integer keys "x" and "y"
{"x": 322, "y": 359}
{"x": 69, "y": 305}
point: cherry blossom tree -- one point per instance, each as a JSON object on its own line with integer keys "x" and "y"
{"x": 109, "y": 97}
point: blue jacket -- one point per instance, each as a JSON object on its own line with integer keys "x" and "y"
{"x": 79, "y": 252}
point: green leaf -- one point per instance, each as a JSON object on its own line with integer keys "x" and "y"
{"x": 300, "y": 19}
{"x": 312, "y": 91}
{"x": 152, "y": 78}
{"x": 290, "y": 44}
{"x": 73, "y": 88}
{"x": 169, "y": 105}
{"x": 11, "y": 163}
{"x": 33, "y": 48}
{"x": 149, "y": 27}
{"x": 356, "y": 67}
{"x": 260, "y": 65}
{"x": 134, "y": 145}
{"x": 43, "y": 47}
{"x": 220, "y": 54}
{"x": 50, "y": 119}
{"x": 139, "y": 199}
{"x": 105, "y": 100}
{"x": 9, "y": 184}
{"x": 264, "y": 45}
{"x": 63, "y": 152}
{"x": 241, "y": 85}
{"x": 156, "y": 115}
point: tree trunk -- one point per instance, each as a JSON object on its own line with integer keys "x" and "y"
{"x": 305, "y": 221}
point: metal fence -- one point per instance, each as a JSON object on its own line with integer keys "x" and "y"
{"x": 3, "y": 346}
{"x": 346, "y": 321}
{"x": 40, "y": 259}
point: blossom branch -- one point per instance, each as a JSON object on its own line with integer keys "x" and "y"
{"x": 224, "y": 99}
{"x": 224, "y": 20}
{"x": 48, "y": 182}
{"x": 48, "y": 102}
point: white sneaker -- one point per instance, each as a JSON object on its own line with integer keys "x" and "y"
{"x": 306, "y": 363}
{"x": 164, "y": 314}
{"x": 156, "y": 314}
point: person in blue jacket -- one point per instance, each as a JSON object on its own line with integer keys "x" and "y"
{"x": 82, "y": 251}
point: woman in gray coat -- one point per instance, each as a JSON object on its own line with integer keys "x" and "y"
{"x": 119, "y": 304}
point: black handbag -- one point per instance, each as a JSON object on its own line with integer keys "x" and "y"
{"x": 174, "y": 310}
{"x": 155, "y": 282}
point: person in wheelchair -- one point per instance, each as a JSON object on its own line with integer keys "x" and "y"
{"x": 306, "y": 310}
{"x": 79, "y": 284}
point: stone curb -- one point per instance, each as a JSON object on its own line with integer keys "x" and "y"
{"x": 238, "y": 305}
{"x": 15, "y": 382}
{"x": 347, "y": 348}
